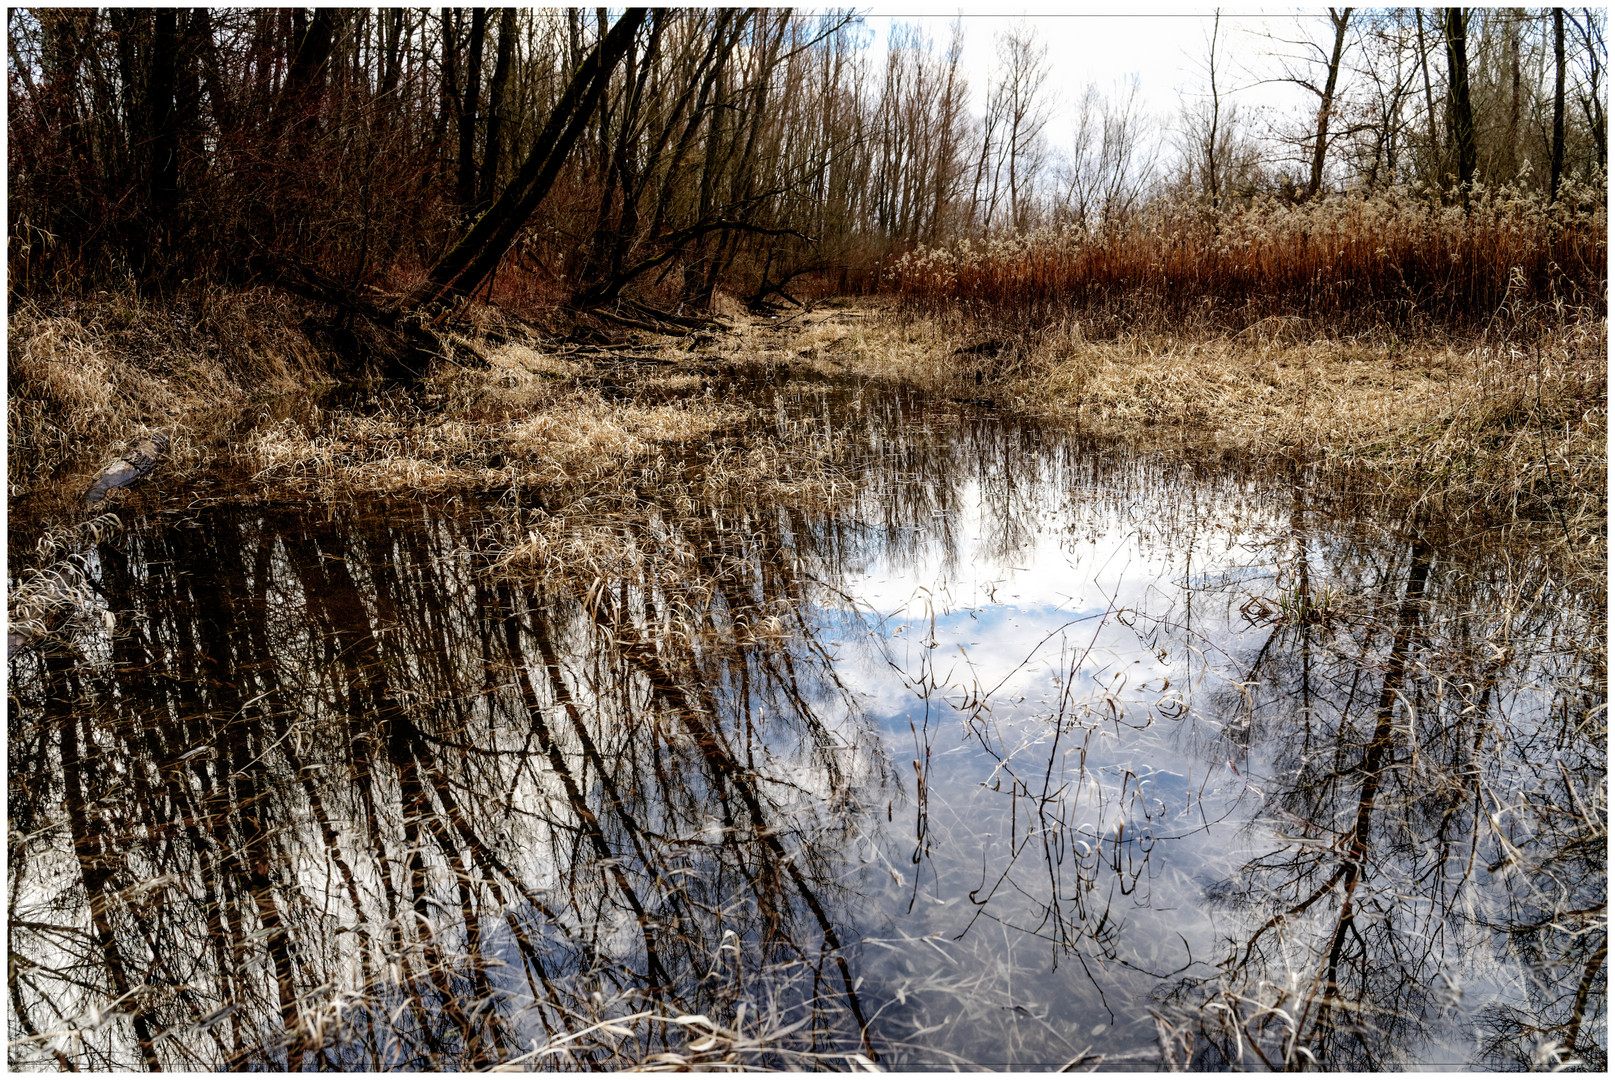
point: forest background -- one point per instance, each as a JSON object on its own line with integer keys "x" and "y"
{"x": 735, "y": 149}
{"x": 222, "y": 201}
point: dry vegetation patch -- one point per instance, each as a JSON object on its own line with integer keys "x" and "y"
{"x": 1487, "y": 429}
{"x": 87, "y": 377}
{"x": 1395, "y": 259}
{"x": 572, "y": 438}
{"x": 1505, "y": 425}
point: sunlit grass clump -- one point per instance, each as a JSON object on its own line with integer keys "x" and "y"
{"x": 86, "y": 377}
{"x": 576, "y": 438}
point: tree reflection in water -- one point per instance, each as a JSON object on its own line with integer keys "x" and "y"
{"x": 328, "y": 780}
{"x": 1434, "y": 808}
{"x": 337, "y": 793}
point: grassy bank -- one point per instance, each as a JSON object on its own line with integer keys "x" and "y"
{"x": 1496, "y": 427}
{"x": 1484, "y": 429}
{"x": 87, "y": 376}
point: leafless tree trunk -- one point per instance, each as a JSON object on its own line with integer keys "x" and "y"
{"x": 465, "y": 188}
{"x": 164, "y": 167}
{"x": 1212, "y": 122}
{"x": 1326, "y": 102}
{"x": 494, "y": 146}
{"x": 479, "y": 252}
{"x": 1429, "y": 92}
{"x": 1557, "y": 166}
{"x": 1589, "y": 29}
{"x": 1461, "y": 119}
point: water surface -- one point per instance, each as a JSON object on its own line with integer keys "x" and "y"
{"x": 945, "y": 740}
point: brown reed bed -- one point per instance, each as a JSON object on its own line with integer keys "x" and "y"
{"x": 1393, "y": 263}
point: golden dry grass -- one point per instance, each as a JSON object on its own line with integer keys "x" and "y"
{"x": 1495, "y": 428}
{"x": 1507, "y": 425}
{"x": 1486, "y": 430}
{"x": 88, "y": 377}
{"x": 573, "y": 438}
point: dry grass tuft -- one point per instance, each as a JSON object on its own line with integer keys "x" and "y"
{"x": 577, "y": 437}
{"x": 516, "y": 363}
{"x": 87, "y": 377}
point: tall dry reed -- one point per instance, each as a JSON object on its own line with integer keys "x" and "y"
{"x": 1393, "y": 260}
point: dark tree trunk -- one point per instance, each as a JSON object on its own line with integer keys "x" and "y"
{"x": 479, "y": 252}
{"x": 465, "y": 191}
{"x": 1462, "y": 119}
{"x": 129, "y": 27}
{"x": 212, "y": 77}
{"x": 160, "y": 105}
{"x": 494, "y": 147}
{"x": 392, "y": 50}
{"x": 305, "y": 79}
{"x": 1557, "y": 166}
{"x": 1327, "y": 104}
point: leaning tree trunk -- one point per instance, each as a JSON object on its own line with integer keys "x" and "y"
{"x": 479, "y": 252}
{"x": 411, "y": 321}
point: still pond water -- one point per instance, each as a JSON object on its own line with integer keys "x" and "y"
{"x": 1001, "y": 749}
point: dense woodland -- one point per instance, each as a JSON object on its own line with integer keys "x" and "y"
{"x": 582, "y": 157}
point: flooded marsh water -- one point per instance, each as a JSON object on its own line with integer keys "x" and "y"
{"x": 878, "y": 730}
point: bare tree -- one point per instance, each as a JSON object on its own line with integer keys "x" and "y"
{"x": 1386, "y": 70}
{"x": 479, "y": 252}
{"x": 1557, "y": 158}
{"x": 1460, "y": 117}
{"x": 1589, "y": 30}
{"x": 1013, "y": 151}
{"x": 1214, "y": 150}
{"x": 470, "y": 108}
{"x": 1112, "y": 158}
{"x": 493, "y": 148}
{"x": 1326, "y": 99}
